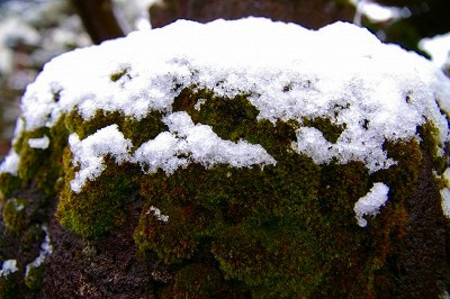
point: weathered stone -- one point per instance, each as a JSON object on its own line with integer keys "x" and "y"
{"x": 172, "y": 174}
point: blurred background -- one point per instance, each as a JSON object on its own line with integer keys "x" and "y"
{"x": 34, "y": 31}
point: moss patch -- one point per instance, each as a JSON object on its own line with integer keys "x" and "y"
{"x": 14, "y": 213}
{"x": 100, "y": 205}
{"x": 330, "y": 131}
{"x": 8, "y": 183}
{"x": 277, "y": 231}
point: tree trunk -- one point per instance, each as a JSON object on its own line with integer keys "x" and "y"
{"x": 99, "y": 19}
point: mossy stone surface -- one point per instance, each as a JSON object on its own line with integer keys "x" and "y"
{"x": 14, "y": 213}
{"x": 281, "y": 230}
{"x": 116, "y": 221}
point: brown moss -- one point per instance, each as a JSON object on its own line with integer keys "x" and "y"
{"x": 196, "y": 281}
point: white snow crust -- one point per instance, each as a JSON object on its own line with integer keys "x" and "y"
{"x": 11, "y": 163}
{"x": 90, "y": 152}
{"x": 187, "y": 143}
{"x": 40, "y": 143}
{"x": 184, "y": 143}
{"x": 157, "y": 213}
{"x": 371, "y": 203}
{"x": 8, "y": 267}
{"x": 377, "y": 92}
{"x": 46, "y": 250}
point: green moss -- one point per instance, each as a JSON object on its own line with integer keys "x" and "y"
{"x": 51, "y": 170}
{"x": 99, "y": 207}
{"x": 14, "y": 213}
{"x": 116, "y": 76}
{"x": 8, "y": 183}
{"x": 142, "y": 130}
{"x": 137, "y": 130}
{"x": 276, "y": 231}
{"x": 196, "y": 281}
{"x": 75, "y": 123}
{"x": 231, "y": 119}
{"x": 31, "y": 159}
{"x": 430, "y": 142}
{"x": 285, "y": 229}
{"x": 330, "y": 131}
{"x": 38, "y": 167}
{"x": 34, "y": 276}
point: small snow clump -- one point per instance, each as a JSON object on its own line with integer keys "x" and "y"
{"x": 46, "y": 250}
{"x": 90, "y": 152}
{"x": 371, "y": 203}
{"x": 8, "y": 267}
{"x": 157, "y": 213}
{"x": 40, "y": 143}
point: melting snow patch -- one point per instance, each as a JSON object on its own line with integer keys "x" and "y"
{"x": 11, "y": 163}
{"x": 8, "y": 267}
{"x": 46, "y": 250}
{"x": 371, "y": 203}
{"x": 41, "y": 143}
{"x": 158, "y": 214}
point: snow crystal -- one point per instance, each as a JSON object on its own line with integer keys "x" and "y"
{"x": 8, "y": 267}
{"x": 90, "y": 152}
{"x": 40, "y": 143}
{"x": 375, "y": 92}
{"x": 11, "y": 163}
{"x": 187, "y": 143}
{"x": 157, "y": 213}
{"x": 371, "y": 203}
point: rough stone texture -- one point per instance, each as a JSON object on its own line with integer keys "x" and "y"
{"x": 421, "y": 261}
{"x": 104, "y": 268}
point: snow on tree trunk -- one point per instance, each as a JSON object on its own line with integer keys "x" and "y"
{"x": 237, "y": 158}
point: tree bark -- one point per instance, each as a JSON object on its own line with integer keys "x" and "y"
{"x": 98, "y": 19}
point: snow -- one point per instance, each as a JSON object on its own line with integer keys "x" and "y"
{"x": 40, "y": 143}
{"x": 8, "y": 267}
{"x": 187, "y": 143}
{"x": 183, "y": 144}
{"x": 371, "y": 203}
{"x": 89, "y": 153}
{"x": 341, "y": 72}
{"x": 11, "y": 163}
{"x": 46, "y": 250}
{"x": 157, "y": 213}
